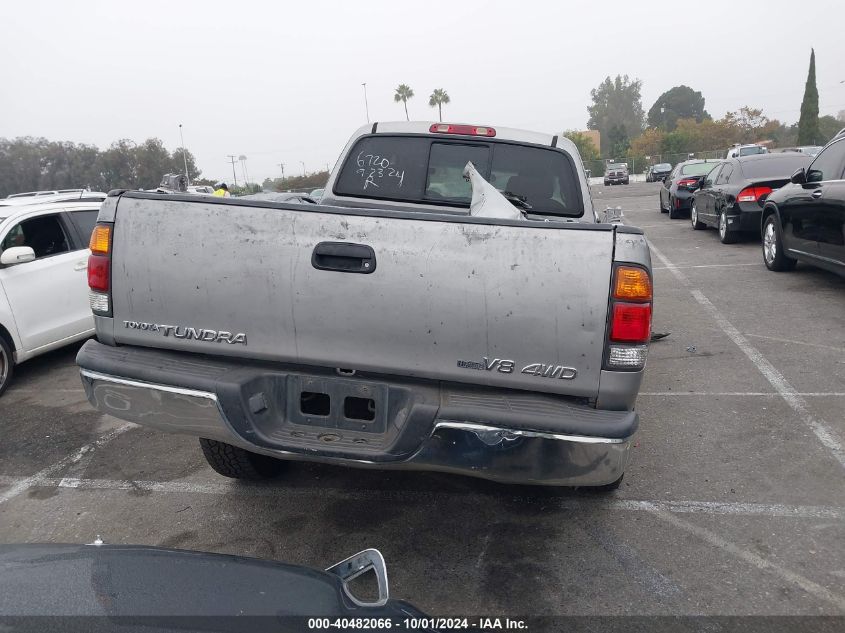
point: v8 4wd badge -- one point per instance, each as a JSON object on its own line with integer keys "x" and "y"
{"x": 506, "y": 366}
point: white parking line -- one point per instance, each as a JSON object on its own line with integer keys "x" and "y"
{"x": 42, "y": 476}
{"x": 701, "y": 266}
{"x": 754, "y": 394}
{"x": 751, "y": 558}
{"x": 792, "y": 342}
{"x": 240, "y": 489}
{"x": 786, "y": 391}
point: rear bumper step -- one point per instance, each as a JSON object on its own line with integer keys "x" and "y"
{"x": 492, "y": 434}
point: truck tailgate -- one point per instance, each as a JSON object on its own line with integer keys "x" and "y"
{"x": 449, "y": 299}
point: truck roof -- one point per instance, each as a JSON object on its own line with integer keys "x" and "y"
{"x": 502, "y": 133}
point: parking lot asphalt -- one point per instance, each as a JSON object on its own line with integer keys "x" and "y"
{"x": 734, "y": 502}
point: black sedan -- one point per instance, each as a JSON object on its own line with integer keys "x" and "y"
{"x": 678, "y": 187}
{"x": 805, "y": 219}
{"x": 732, "y": 195}
{"x": 658, "y": 172}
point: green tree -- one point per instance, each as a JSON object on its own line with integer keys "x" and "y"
{"x": 117, "y": 166}
{"x": 617, "y": 103}
{"x": 680, "y": 102}
{"x": 829, "y": 127}
{"x": 586, "y": 147}
{"x": 618, "y": 141}
{"x": 403, "y": 93}
{"x": 152, "y": 161}
{"x": 750, "y": 125}
{"x": 808, "y": 124}
{"x": 438, "y": 99}
{"x": 177, "y": 164}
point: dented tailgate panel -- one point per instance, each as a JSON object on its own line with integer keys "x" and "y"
{"x": 510, "y": 306}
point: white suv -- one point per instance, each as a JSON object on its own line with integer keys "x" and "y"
{"x": 737, "y": 150}
{"x": 43, "y": 280}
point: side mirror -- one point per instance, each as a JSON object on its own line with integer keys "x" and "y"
{"x": 799, "y": 177}
{"x": 17, "y": 255}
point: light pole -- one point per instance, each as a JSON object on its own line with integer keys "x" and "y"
{"x": 234, "y": 175}
{"x": 366, "y": 105}
{"x": 302, "y": 162}
{"x": 184, "y": 154}
{"x": 242, "y": 158}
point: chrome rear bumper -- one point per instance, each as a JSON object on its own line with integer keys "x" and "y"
{"x": 485, "y": 451}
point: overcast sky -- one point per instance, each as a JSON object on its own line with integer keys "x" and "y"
{"x": 280, "y": 82}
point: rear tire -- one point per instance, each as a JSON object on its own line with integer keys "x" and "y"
{"x": 693, "y": 218}
{"x": 674, "y": 213}
{"x": 237, "y": 463}
{"x": 725, "y": 236}
{"x": 7, "y": 365}
{"x": 773, "y": 253}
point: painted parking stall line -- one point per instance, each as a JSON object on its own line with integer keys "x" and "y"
{"x": 785, "y": 390}
{"x": 242, "y": 489}
{"x": 38, "y": 479}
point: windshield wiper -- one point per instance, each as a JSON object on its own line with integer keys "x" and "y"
{"x": 520, "y": 202}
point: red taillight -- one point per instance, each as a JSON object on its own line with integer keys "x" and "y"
{"x": 688, "y": 182}
{"x": 753, "y": 194}
{"x": 630, "y": 323}
{"x": 469, "y": 130}
{"x": 98, "y": 272}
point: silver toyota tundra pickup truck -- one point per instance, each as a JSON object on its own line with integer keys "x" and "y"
{"x": 386, "y": 327}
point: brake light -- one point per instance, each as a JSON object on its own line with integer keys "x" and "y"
{"x": 630, "y": 323}
{"x": 99, "y": 270}
{"x": 688, "y": 182}
{"x": 753, "y": 194}
{"x": 469, "y": 130}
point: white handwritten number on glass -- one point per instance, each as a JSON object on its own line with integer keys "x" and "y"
{"x": 373, "y": 168}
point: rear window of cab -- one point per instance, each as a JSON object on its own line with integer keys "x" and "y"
{"x": 429, "y": 170}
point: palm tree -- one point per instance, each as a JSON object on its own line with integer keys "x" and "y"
{"x": 403, "y": 93}
{"x": 438, "y": 98}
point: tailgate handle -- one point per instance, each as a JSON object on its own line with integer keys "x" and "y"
{"x": 344, "y": 257}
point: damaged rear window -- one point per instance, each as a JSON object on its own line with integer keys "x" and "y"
{"x": 429, "y": 170}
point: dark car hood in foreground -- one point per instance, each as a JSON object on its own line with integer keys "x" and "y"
{"x": 174, "y": 586}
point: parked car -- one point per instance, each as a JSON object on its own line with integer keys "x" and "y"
{"x": 732, "y": 195}
{"x": 805, "y": 219}
{"x": 43, "y": 289}
{"x": 279, "y": 196}
{"x": 738, "y": 151}
{"x": 203, "y": 190}
{"x": 616, "y": 173}
{"x": 158, "y": 590}
{"x": 676, "y": 193}
{"x": 43, "y": 197}
{"x": 39, "y": 194}
{"x": 658, "y": 172}
{"x": 363, "y": 331}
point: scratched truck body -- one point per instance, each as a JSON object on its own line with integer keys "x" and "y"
{"x": 385, "y": 327}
